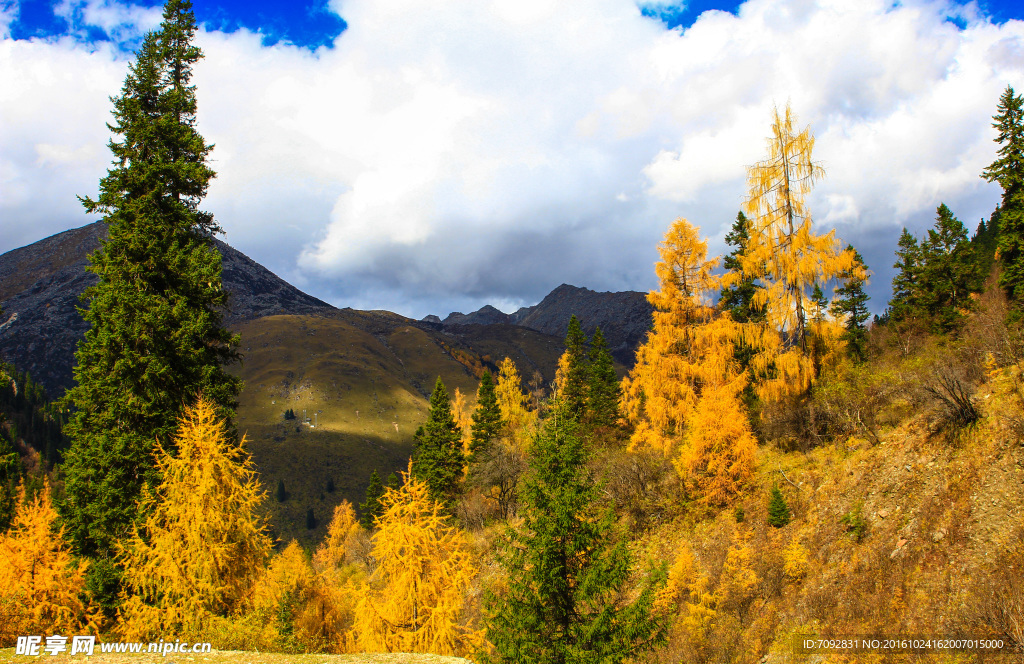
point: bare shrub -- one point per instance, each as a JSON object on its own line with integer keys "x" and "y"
{"x": 956, "y": 409}
{"x": 636, "y": 482}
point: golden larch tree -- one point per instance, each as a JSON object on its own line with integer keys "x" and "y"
{"x": 414, "y": 599}
{"x": 41, "y": 585}
{"x": 329, "y": 614}
{"x": 512, "y": 402}
{"x": 204, "y": 544}
{"x": 790, "y": 259}
{"x": 682, "y": 395}
{"x": 463, "y": 419}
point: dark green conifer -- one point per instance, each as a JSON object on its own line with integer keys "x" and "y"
{"x": 437, "y": 449}
{"x": 371, "y": 508}
{"x": 778, "y": 510}
{"x": 486, "y": 418}
{"x": 9, "y": 472}
{"x": 949, "y": 272}
{"x": 310, "y": 519}
{"x": 567, "y": 567}
{"x": 603, "y": 390}
{"x": 738, "y": 299}
{"x": 281, "y": 494}
{"x": 906, "y": 302}
{"x": 574, "y": 391}
{"x": 1008, "y": 171}
{"x": 852, "y": 306}
{"x": 156, "y": 338}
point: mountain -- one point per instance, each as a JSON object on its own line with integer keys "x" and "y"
{"x": 624, "y": 317}
{"x": 40, "y": 285}
{"x": 359, "y": 381}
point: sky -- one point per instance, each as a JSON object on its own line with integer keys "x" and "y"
{"x": 428, "y": 157}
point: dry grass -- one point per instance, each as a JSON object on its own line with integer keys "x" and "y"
{"x": 239, "y": 657}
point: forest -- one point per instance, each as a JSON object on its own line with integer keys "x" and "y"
{"x": 777, "y": 466}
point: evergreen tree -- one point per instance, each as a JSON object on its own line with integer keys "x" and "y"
{"x": 603, "y": 390}
{"x": 437, "y": 454}
{"x": 906, "y": 301}
{"x": 566, "y": 573}
{"x": 852, "y": 305}
{"x": 738, "y": 298}
{"x": 778, "y": 510}
{"x": 9, "y": 471}
{"x": 949, "y": 272}
{"x": 486, "y": 418}
{"x": 370, "y": 508}
{"x": 574, "y": 386}
{"x": 310, "y": 519}
{"x": 281, "y": 494}
{"x": 1008, "y": 171}
{"x": 156, "y": 338}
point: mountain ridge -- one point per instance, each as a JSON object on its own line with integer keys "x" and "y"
{"x": 623, "y": 316}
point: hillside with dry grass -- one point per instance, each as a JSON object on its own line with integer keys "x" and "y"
{"x": 362, "y": 380}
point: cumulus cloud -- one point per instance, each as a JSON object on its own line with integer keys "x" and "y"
{"x": 444, "y": 155}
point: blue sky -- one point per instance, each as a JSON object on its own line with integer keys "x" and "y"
{"x": 426, "y": 156}
{"x": 315, "y": 24}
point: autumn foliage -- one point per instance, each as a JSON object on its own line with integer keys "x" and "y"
{"x": 682, "y": 396}
{"x": 790, "y": 260}
{"x": 414, "y": 599}
{"x": 41, "y": 584}
{"x": 203, "y": 545}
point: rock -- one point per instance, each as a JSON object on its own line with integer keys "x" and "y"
{"x": 938, "y": 535}
{"x": 882, "y": 513}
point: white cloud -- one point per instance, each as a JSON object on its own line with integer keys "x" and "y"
{"x": 447, "y": 154}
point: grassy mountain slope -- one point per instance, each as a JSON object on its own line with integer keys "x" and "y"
{"x": 363, "y": 379}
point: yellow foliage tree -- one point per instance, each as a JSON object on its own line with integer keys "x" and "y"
{"x": 512, "y": 401}
{"x": 790, "y": 260}
{"x": 718, "y": 455}
{"x": 682, "y": 395}
{"x": 40, "y": 583}
{"x": 414, "y": 599}
{"x": 342, "y": 533}
{"x": 687, "y": 595}
{"x": 330, "y": 612}
{"x": 463, "y": 420}
{"x": 203, "y": 545}
{"x": 738, "y": 580}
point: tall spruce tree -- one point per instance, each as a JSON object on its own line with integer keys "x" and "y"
{"x": 1008, "y": 171}
{"x": 603, "y": 389}
{"x": 738, "y": 298}
{"x": 852, "y": 305}
{"x": 905, "y": 304}
{"x": 949, "y": 271}
{"x": 566, "y": 569}
{"x": 486, "y": 417}
{"x": 156, "y": 338}
{"x": 437, "y": 454}
{"x": 574, "y": 388}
